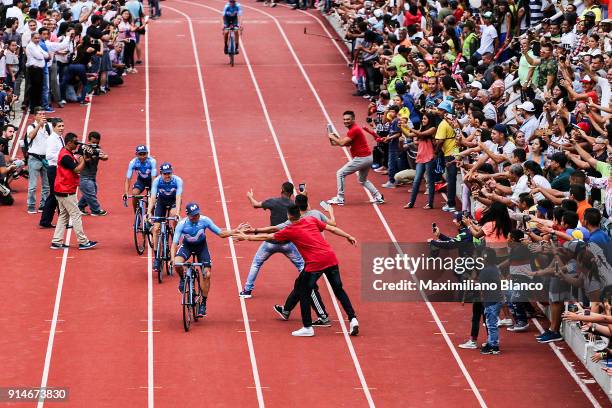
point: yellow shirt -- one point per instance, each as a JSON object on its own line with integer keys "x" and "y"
{"x": 596, "y": 10}
{"x": 447, "y": 133}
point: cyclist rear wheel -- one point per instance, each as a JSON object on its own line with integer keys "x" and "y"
{"x": 140, "y": 239}
{"x": 187, "y": 307}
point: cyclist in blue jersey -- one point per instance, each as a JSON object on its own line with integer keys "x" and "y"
{"x": 145, "y": 167}
{"x": 232, "y": 17}
{"x": 166, "y": 191}
{"x": 193, "y": 231}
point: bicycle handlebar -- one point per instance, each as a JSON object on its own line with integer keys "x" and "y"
{"x": 188, "y": 264}
{"x": 125, "y": 198}
{"x": 165, "y": 218}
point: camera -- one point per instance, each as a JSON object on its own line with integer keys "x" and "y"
{"x": 91, "y": 151}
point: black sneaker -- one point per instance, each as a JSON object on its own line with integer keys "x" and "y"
{"x": 100, "y": 213}
{"x": 246, "y": 294}
{"x": 489, "y": 349}
{"x": 88, "y": 245}
{"x": 202, "y": 310}
{"x": 281, "y": 312}
{"x": 58, "y": 246}
{"x": 46, "y": 225}
{"x": 322, "y": 322}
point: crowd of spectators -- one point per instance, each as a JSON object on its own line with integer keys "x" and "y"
{"x": 503, "y": 107}
{"x": 52, "y": 53}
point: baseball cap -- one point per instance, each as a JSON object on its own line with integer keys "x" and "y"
{"x": 192, "y": 209}
{"x": 487, "y": 15}
{"x": 526, "y": 106}
{"x": 500, "y": 127}
{"x": 606, "y": 21}
{"x": 476, "y": 84}
{"x": 165, "y": 168}
{"x": 580, "y": 233}
{"x": 142, "y": 149}
{"x": 587, "y": 79}
{"x": 446, "y": 106}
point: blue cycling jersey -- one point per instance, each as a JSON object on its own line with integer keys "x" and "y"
{"x": 144, "y": 170}
{"x": 193, "y": 233}
{"x": 232, "y": 11}
{"x": 167, "y": 190}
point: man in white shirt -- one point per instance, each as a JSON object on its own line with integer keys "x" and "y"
{"x": 525, "y": 117}
{"x": 36, "y": 60}
{"x": 55, "y": 142}
{"x": 36, "y": 139}
{"x": 488, "y": 35}
{"x": 488, "y": 109}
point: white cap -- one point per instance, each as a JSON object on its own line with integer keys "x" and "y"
{"x": 476, "y": 84}
{"x": 526, "y": 106}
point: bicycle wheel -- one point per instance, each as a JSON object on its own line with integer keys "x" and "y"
{"x": 187, "y": 307}
{"x": 139, "y": 232}
{"x": 167, "y": 254}
{"x": 197, "y": 297}
{"x": 159, "y": 257}
{"x": 232, "y": 48}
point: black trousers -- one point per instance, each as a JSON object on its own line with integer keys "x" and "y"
{"x": 35, "y": 78}
{"x": 50, "y": 207}
{"x": 306, "y": 283}
{"x": 316, "y": 303}
{"x": 477, "y": 316}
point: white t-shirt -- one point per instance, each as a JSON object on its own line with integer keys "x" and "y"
{"x": 39, "y": 144}
{"x": 488, "y": 36}
{"x": 540, "y": 181}
{"x": 519, "y": 188}
{"x": 605, "y": 91}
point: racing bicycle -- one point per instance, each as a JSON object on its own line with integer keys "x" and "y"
{"x": 192, "y": 295}
{"x": 162, "y": 251}
{"x": 141, "y": 228}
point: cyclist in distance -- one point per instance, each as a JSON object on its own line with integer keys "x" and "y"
{"x": 192, "y": 230}
{"x": 166, "y": 191}
{"x": 232, "y": 16}
{"x": 145, "y": 167}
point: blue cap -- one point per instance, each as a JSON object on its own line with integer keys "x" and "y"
{"x": 165, "y": 168}
{"x": 192, "y": 209}
{"x": 142, "y": 149}
{"x": 501, "y": 128}
{"x": 446, "y": 106}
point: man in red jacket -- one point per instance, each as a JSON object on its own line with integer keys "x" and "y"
{"x": 66, "y": 183}
{"x": 319, "y": 257}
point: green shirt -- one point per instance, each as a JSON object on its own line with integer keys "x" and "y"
{"x": 547, "y": 68}
{"x": 523, "y": 70}
{"x": 562, "y": 182}
{"x": 603, "y": 168}
{"x": 470, "y": 44}
{"x": 401, "y": 64}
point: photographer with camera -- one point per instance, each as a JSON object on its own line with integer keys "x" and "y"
{"x": 66, "y": 183}
{"x": 35, "y": 148}
{"x": 88, "y": 185}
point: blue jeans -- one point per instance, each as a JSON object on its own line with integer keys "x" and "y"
{"x": 491, "y": 313}
{"x": 451, "y": 180}
{"x": 45, "y": 91}
{"x": 36, "y": 170}
{"x": 74, "y": 70}
{"x": 89, "y": 189}
{"x": 421, "y": 168}
{"x": 266, "y": 250}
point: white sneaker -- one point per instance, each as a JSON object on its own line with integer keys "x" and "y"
{"x": 354, "y": 327}
{"x": 470, "y": 344}
{"x": 336, "y": 200}
{"x": 389, "y": 184}
{"x": 380, "y": 199}
{"x": 448, "y": 208}
{"x": 504, "y": 322}
{"x": 304, "y": 332}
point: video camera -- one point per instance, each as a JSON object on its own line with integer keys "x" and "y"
{"x": 89, "y": 150}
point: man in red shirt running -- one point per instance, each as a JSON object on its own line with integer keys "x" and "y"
{"x": 319, "y": 257}
{"x": 361, "y": 159}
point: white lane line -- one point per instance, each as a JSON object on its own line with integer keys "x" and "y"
{"x": 245, "y": 316}
{"x": 264, "y": 108}
{"x": 150, "y": 331}
{"x": 60, "y": 285}
{"x": 23, "y": 125}
{"x": 381, "y": 217}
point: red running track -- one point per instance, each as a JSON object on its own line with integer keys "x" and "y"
{"x": 100, "y": 347}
